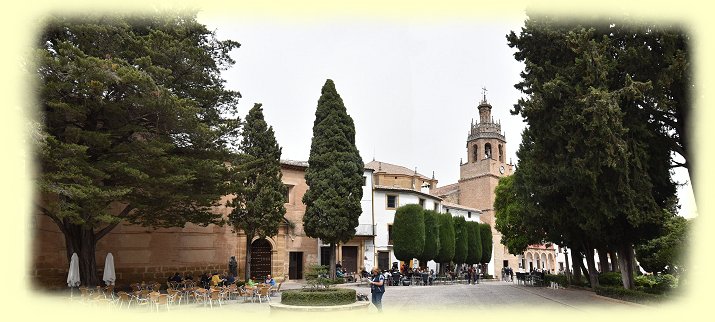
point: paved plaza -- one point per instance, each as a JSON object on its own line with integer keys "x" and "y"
{"x": 492, "y": 295}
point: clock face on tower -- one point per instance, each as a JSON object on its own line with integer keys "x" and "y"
{"x": 501, "y": 169}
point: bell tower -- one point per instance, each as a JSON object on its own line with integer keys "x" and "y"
{"x": 486, "y": 147}
{"x": 479, "y": 176}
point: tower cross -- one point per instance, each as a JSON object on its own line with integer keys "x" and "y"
{"x": 484, "y": 93}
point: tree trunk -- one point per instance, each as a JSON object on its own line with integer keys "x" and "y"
{"x": 247, "y": 267}
{"x": 81, "y": 240}
{"x": 583, "y": 268}
{"x": 625, "y": 259}
{"x": 603, "y": 260}
{"x": 592, "y": 272}
{"x": 332, "y": 262}
{"x": 614, "y": 261}
{"x": 575, "y": 260}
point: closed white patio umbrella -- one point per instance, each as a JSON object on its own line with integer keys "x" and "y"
{"x": 73, "y": 275}
{"x": 109, "y": 276}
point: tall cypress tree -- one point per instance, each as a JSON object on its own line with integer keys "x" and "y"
{"x": 431, "y": 248}
{"x": 474, "y": 243}
{"x": 260, "y": 193}
{"x": 485, "y": 232}
{"x": 446, "y": 239}
{"x": 334, "y": 175}
{"x": 408, "y": 232}
{"x": 460, "y": 240}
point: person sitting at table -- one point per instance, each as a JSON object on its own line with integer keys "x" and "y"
{"x": 188, "y": 277}
{"x": 364, "y": 273}
{"x": 216, "y": 279}
{"x": 251, "y": 283}
{"x": 270, "y": 281}
{"x": 230, "y": 279}
{"x": 339, "y": 273}
{"x": 205, "y": 280}
{"x": 176, "y": 278}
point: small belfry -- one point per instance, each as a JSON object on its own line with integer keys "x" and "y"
{"x": 485, "y": 139}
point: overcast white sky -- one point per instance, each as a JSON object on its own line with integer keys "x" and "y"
{"x": 412, "y": 87}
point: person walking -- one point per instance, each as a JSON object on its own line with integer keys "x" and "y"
{"x": 377, "y": 288}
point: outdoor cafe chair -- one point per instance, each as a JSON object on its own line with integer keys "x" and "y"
{"x": 124, "y": 297}
{"x": 201, "y": 295}
{"x": 264, "y": 292}
{"x": 162, "y": 299}
{"x": 276, "y": 289}
{"x": 249, "y": 292}
{"x": 174, "y": 297}
{"x": 215, "y": 296}
{"x": 232, "y": 290}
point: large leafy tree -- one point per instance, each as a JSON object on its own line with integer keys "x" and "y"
{"x": 518, "y": 226}
{"x": 259, "y": 192}
{"x": 334, "y": 175}
{"x": 446, "y": 239}
{"x": 474, "y": 243}
{"x": 594, "y": 156}
{"x": 432, "y": 246}
{"x": 132, "y": 125}
{"x": 460, "y": 240}
{"x": 408, "y": 232}
{"x": 666, "y": 253}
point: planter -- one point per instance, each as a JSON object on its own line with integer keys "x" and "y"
{"x": 318, "y": 297}
{"x": 279, "y": 307}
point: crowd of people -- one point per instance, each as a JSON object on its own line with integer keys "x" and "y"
{"x": 209, "y": 280}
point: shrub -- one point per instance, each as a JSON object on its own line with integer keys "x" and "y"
{"x": 316, "y": 276}
{"x": 610, "y": 279}
{"x": 644, "y": 281}
{"x": 318, "y": 297}
{"x": 627, "y": 295}
{"x": 665, "y": 282}
{"x": 559, "y": 279}
{"x": 582, "y": 282}
{"x": 656, "y": 284}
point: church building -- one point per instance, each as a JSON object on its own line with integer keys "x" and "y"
{"x": 478, "y": 178}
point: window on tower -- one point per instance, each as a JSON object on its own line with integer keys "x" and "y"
{"x": 487, "y": 151}
{"x": 475, "y": 153}
{"x": 501, "y": 154}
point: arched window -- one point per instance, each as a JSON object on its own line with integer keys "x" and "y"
{"x": 475, "y": 153}
{"x": 487, "y": 151}
{"x": 501, "y": 154}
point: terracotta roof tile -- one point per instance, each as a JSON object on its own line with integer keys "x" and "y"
{"x": 445, "y": 190}
{"x": 458, "y": 206}
{"x": 389, "y": 168}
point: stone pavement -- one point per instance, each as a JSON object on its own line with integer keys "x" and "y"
{"x": 492, "y": 295}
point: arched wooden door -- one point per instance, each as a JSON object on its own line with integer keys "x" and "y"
{"x": 260, "y": 259}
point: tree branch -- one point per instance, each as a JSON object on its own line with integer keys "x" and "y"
{"x": 104, "y": 231}
{"x": 54, "y": 218}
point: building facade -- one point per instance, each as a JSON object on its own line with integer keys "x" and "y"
{"x": 146, "y": 254}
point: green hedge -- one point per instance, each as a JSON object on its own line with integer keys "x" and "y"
{"x": 610, "y": 279}
{"x": 318, "y": 297}
{"x": 559, "y": 279}
{"x": 656, "y": 284}
{"x": 627, "y": 295}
